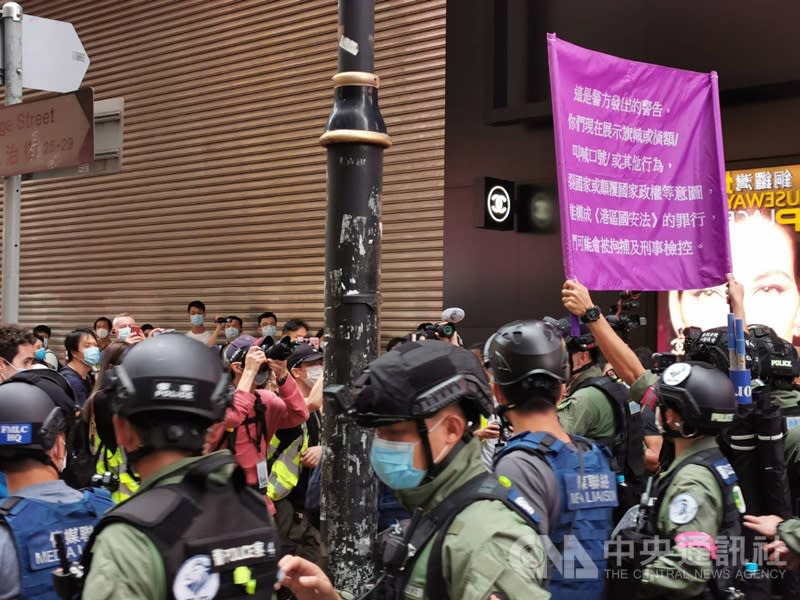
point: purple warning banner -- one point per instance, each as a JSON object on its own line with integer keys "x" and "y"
{"x": 641, "y": 175}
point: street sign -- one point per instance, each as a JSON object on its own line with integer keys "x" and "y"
{"x": 47, "y": 134}
{"x": 53, "y": 58}
{"x": 109, "y": 116}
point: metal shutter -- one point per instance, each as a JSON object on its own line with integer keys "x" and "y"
{"x": 222, "y": 193}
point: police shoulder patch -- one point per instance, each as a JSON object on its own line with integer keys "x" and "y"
{"x": 682, "y": 509}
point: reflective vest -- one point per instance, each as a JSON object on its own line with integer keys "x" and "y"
{"x": 33, "y": 524}
{"x": 113, "y": 462}
{"x": 588, "y": 495}
{"x": 284, "y": 456}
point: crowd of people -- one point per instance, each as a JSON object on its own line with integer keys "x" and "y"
{"x": 548, "y": 461}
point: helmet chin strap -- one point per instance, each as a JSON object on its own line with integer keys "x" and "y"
{"x": 434, "y": 467}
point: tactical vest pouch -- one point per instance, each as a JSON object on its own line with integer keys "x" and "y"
{"x": 217, "y": 540}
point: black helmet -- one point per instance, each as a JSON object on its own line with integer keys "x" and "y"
{"x": 417, "y": 379}
{"x": 171, "y": 374}
{"x": 524, "y": 348}
{"x": 700, "y": 393}
{"x": 33, "y": 411}
{"x": 583, "y": 342}
{"x": 711, "y": 346}
{"x": 777, "y": 358}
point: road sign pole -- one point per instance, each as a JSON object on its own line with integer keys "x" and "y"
{"x": 12, "y": 80}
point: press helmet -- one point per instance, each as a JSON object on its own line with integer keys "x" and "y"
{"x": 524, "y": 348}
{"x": 701, "y": 394}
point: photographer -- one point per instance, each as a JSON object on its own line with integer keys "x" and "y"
{"x": 257, "y": 414}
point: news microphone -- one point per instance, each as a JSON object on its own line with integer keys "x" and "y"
{"x": 453, "y": 315}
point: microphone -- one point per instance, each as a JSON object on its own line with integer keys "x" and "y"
{"x": 453, "y": 315}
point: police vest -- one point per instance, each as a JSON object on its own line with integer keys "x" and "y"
{"x": 401, "y": 550}
{"x": 216, "y": 539}
{"x": 113, "y": 462}
{"x": 627, "y": 446}
{"x": 588, "y": 495}
{"x": 284, "y": 455}
{"x": 731, "y": 527}
{"x": 34, "y": 523}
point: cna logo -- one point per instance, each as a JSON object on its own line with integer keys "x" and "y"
{"x": 537, "y": 557}
{"x": 168, "y": 390}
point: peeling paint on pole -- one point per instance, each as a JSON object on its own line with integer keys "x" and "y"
{"x": 355, "y": 138}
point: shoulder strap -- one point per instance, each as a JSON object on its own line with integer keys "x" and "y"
{"x": 537, "y": 443}
{"x": 615, "y": 393}
{"x": 8, "y": 505}
{"x": 483, "y": 487}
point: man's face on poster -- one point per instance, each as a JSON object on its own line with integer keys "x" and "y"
{"x": 763, "y": 256}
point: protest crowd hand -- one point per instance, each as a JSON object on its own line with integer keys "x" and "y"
{"x": 766, "y": 525}
{"x": 576, "y": 298}
{"x": 490, "y": 432}
{"x": 305, "y": 580}
{"x": 134, "y": 338}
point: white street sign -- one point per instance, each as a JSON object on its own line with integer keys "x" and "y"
{"x": 53, "y": 58}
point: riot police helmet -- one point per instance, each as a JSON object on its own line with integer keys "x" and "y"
{"x": 700, "y": 393}
{"x": 711, "y": 346}
{"x": 522, "y": 349}
{"x": 778, "y": 360}
{"x": 418, "y": 379}
{"x": 173, "y": 385}
{"x": 33, "y": 412}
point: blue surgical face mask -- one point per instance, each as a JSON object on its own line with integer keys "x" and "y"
{"x": 231, "y": 333}
{"x": 196, "y": 320}
{"x": 269, "y": 331}
{"x": 91, "y": 356}
{"x": 123, "y": 333}
{"x": 393, "y": 463}
{"x": 40, "y": 354}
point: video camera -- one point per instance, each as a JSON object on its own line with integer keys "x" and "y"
{"x": 445, "y": 329}
{"x": 624, "y": 315}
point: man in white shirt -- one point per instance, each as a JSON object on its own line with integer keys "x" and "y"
{"x": 197, "y": 315}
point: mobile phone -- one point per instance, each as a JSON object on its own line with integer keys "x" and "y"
{"x": 314, "y": 341}
{"x": 136, "y": 329}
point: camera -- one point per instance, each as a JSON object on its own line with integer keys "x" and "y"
{"x": 432, "y": 331}
{"x": 662, "y": 360}
{"x": 624, "y": 315}
{"x": 280, "y": 350}
{"x": 221, "y": 320}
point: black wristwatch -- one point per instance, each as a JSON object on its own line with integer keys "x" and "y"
{"x": 591, "y": 315}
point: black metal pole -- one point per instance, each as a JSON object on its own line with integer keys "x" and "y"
{"x": 355, "y": 138}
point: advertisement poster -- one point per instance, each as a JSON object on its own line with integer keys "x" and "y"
{"x": 764, "y": 224}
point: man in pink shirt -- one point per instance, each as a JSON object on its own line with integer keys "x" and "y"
{"x": 257, "y": 414}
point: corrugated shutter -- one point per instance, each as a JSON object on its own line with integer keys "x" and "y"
{"x": 222, "y": 194}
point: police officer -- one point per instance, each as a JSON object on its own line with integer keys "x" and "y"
{"x": 194, "y": 529}
{"x": 35, "y": 413}
{"x": 421, "y": 399}
{"x": 567, "y": 478}
{"x": 696, "y": 501}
